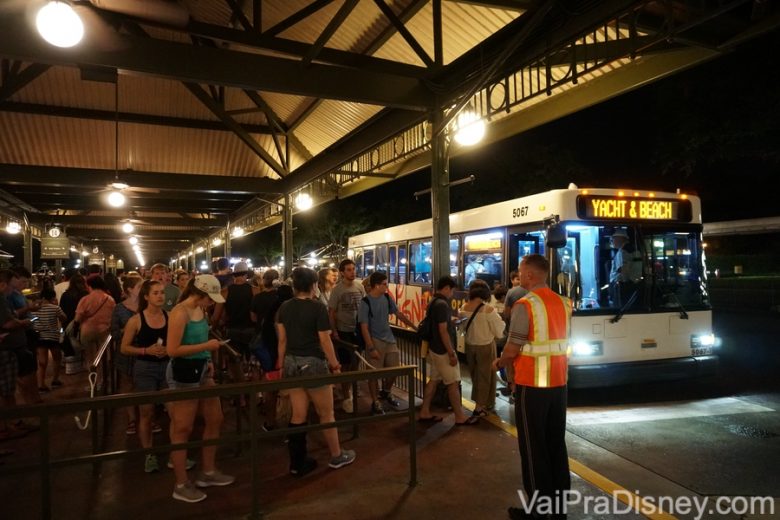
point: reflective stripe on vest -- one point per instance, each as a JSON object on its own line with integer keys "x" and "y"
{"x": 543, "y": 362}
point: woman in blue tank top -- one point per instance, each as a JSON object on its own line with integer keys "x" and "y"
{"x": 190, "y": 350}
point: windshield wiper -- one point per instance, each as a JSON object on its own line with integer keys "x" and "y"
{"x": 683, "y": 314}
{"x": 625, "y": 307}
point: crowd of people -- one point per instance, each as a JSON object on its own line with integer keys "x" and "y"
{"x": 167, "y": 326}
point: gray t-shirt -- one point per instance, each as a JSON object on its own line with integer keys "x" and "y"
{"x": 345, "y": 302}
{"x": 379, "y": 322}
{"x": 514, "y": 294}
{"x": 303, "y": 320}
{"x": 172, "y": 294}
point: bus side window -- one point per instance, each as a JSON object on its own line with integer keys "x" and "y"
{"x": 359, "y": 263}
{"x": 392, "y": 272}
{"x": 402, "y": 264}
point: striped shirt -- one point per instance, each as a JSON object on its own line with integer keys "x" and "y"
{"x": 48, "y": 324}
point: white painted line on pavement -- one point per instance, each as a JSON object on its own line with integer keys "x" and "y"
{"x": 662, "y": 411}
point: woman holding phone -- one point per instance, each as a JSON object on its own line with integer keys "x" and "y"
{"x": 190, "y": 348}
{"x": 144, "y": 337}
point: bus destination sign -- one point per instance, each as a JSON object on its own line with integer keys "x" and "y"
{"x": 622, "y": 208}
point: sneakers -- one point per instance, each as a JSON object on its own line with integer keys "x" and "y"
{"x": 347, "y": 405}
{"x": 188, "y": 465}
{"x": 309, "y": 464}
{"x": 151, "y": 465}
{"x": 156, "y": 428}
{"x": 389, "y": 399}
{"x": 268, "y": 427}
{"x": 188, "y": 493}
{"x": 131, "y": 428}
{"x": 346, "y": 458}
{"x": 376, "y": 408}
{"x": 216, "y": 478}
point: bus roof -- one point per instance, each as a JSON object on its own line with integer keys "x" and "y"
{"x": 612, "y": 205}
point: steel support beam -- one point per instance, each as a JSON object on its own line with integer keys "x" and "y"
{"x": 440, "y": 201}
{"x": 217, "y": 66}
{"x": 14, "y": 174}
{"x": 92, "y": 220}
{"x": 124, "y": 117}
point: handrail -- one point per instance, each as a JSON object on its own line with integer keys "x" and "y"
{"x": 101, "y": 352}
{"x": 92, "y": 378}
{"x": 47, "y": 410}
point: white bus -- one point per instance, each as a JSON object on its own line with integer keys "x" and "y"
{"x": 657, "y": 325}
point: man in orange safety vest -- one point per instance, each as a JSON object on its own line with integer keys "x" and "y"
{"x": 537, "y": 348}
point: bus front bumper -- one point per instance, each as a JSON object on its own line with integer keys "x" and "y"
{"x": 614, "y": 374}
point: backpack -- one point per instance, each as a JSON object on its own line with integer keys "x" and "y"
{"x": 425, "y": 328}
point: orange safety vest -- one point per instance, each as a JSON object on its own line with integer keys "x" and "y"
{"x": 543, "y": 361}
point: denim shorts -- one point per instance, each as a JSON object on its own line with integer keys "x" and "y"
{"x": 297, "y": 366}
{"x": 149, "y": 376}
{"x": 207, "y": 375}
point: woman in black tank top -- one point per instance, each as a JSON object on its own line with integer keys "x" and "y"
{"x": 144, "y": 337}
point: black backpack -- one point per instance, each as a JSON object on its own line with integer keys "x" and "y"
{"x": 425, "y": 328}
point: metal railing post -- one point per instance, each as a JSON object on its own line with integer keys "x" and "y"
{"x": 412, "y": 435}
{"x": 45, "y": 467}
{"x": 256, "y": 514}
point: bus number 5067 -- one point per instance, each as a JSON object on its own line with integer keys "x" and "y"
{"x": 520, "y": 212}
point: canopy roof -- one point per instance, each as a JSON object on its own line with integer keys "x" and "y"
{"x": 212, "y": 111}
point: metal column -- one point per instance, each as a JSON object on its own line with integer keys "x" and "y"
{"x": 440, "y": 200}
{"x": 287, "y": 236}
{"x": 28, "y": 246}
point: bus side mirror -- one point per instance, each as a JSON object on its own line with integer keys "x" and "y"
{"x": 556, "y": 236}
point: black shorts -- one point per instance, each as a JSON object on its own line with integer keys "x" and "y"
{"x": 25, "y": 359}
{"x": 49, "y": 344}
{"x": 346, "y": 355}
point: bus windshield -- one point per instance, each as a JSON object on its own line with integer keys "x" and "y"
{"x": 631, "y": 269}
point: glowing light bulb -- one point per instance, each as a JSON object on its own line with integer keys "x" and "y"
{"x": 127, "y": 227}
{"x": 116, "y": 199}
{"x": 59, "y": 24}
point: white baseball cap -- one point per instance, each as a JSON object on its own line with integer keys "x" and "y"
{"x": 209, "y": 284}
{"x": 240, "y": 268}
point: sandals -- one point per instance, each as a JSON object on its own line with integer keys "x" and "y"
{"x": 479, "y": 413}
{"x": 430, "y": 420}
{"x": 471, "y": 421}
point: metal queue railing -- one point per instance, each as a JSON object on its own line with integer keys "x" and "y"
{"x": 409, "y": 345}
{"x": 45, "y": 412}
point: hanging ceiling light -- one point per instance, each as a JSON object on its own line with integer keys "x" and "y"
{"x": 127, "y": 227}
{"x": 237, "y": 232}
{"x": 303, "y": 201}
{"x": 216, "y": 242}
{"x": 116, "y": 199}
{"x": 133, "y": 241}
{"x": 58, "y": 24}
{"x": 13, "y": 227}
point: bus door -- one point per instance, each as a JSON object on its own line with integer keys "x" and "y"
{"x": 522, "y": 242}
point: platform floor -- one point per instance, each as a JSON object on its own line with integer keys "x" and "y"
{"x": 463, "y": 472}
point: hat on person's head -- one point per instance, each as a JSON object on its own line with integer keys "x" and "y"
{"x": 620, "y": 233}
{"x": 210, "y": 285}
{"x": 240, "y": 269}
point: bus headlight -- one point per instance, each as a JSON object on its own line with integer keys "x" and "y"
{"x": 588, "y": 348}
{"x": 702, "y": 344}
